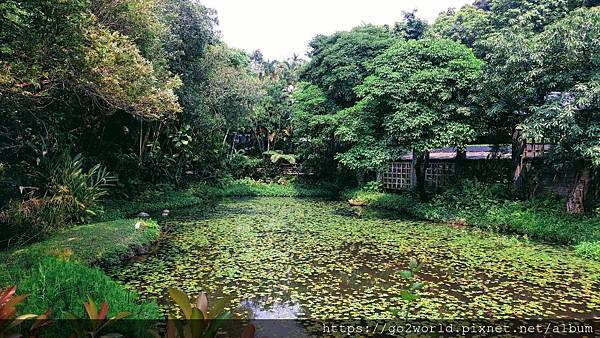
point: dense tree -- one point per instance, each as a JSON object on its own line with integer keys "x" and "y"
{"x": 411, "y": 27}
{"x": 531, "y": 15}
{"x": 467, "y": 25}
{"x": 419, "y": 97}
{"x": 272, "y": 116}
{"x": 338, "y": 62}
{"x": 314, "y": 129}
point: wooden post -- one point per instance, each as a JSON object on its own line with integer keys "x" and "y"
{"x": 413, "y": 175}
{"x": 518, "y": 157}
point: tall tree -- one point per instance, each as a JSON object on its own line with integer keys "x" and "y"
{"x": 419, "y": 96}
{"x": 411, "y": 27}
{"x": 566, "y": 71}
{"x": 338, "y": 62}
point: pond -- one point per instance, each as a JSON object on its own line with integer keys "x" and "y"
{"x": 310, "y": 258}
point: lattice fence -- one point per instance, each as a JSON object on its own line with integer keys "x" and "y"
{"x": 398, "y": 176}
{"x": 439, "y": 174}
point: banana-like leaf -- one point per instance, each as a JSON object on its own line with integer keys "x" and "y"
{"x": 7, "y": 294}
{"x": 91, "y": 309}
{"x": 109, "y": 322}
{"x": 103, "y": 311}
{"x": 182, "y": 300}
{"x": 196, "y": 323}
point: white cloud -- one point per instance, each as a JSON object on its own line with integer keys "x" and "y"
{"x": 282, "y": 27}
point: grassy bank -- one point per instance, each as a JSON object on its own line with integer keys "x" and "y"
{"x": 59, "y": 273}
{"x": 166, "y": 197}
{"x": 484, "y": 207}
{"x": 249, "y": 187}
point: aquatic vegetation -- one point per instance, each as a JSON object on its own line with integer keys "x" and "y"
{"x": 306, "y": 258}
{"x": 410, "y": 293}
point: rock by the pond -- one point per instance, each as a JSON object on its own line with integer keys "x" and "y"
{"x": 356, "y": 203}
{"x": 143, "y": 215}
{"x": 166, "y": 212}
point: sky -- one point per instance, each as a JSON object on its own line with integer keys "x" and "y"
{"x": 282, "y": 27}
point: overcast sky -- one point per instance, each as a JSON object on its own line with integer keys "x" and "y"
{"x": 282, "y": 27}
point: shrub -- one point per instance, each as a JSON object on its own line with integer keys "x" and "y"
{"x": 589, "y": 250}
{"x": 71, "y": 195}
{"x": 76, "y": 194}
{"x": 240, "y": 165}
{"x": 373, "y": 186}
{"x": 250, "y": 187}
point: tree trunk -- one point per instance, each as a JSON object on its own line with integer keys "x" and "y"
{"x": 420, "y": 161}
{"x": 461, "y": 157}
{"x": 518, "y": 157}
{"x": 360, "y": 177}
{"x": 577, "y": 196}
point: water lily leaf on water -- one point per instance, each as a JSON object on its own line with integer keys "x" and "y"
{"x": 305, "y": 258}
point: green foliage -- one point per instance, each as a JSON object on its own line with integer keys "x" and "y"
{"x": 249, "y": 187}
{"x": 63, "y": 286}
{"x": 241, "y": 165}
{"x": 277, "y": 156}
{"x": 411, "y": 27}
{"x": 197, "y": 321}
{"x": 411, "y": 291}
{"x": 272, "y": 116}
{"x": 418, "y": 96}
{"x": 589, "y": 250}
{"x": 55, "y": 274}
{"x": 530, "y": 14}
{"x": 338, "y": 62}
{"x": 105, "y": 244}
{"x": 467, "y": 25}
{"x": 491, "y": 207}
{"x": 314, "y": 125}
{"x": 97, "y": 320}
{"x": 564, "y": 56}
{"x": 425, "y": 87}
{"x": 70, "y": 195}
{"x": 373, "y": 186}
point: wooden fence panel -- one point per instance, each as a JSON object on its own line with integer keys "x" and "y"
{"x": 398, "y": 176}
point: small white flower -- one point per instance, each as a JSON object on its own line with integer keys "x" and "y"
{"x": 138, "y": 225}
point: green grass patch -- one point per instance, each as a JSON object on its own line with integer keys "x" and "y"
{"x": 152, "y": 200}
{"x": 588, "y": 250}
{"x": 250, "y": 187}
{"x": 104, "y": 243}
{"x": 64, "y": 286}
{"x": 57, "y": 274}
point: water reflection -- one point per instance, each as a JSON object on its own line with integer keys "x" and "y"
{"x": 275, "y": 320}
